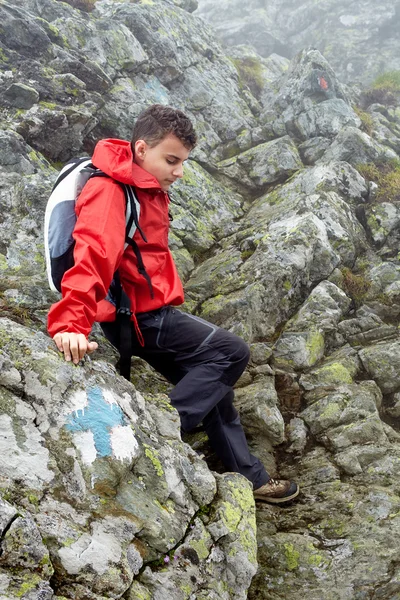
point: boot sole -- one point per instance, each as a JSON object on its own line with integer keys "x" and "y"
{"x": 271, "y": 500}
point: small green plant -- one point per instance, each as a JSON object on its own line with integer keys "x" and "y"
{"x": 387, "y": 81}
{"x": 355, "y": 286}
{"x": 385, "y": 89}
{"x": 386, "y": 174}
{"x": 367, "y": 122}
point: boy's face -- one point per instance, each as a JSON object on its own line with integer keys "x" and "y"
{"x": 164, "y": 161}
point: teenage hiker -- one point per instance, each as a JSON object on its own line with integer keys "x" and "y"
{"x": 202, "y": 360}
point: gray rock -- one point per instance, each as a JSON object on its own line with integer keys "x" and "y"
{"x": 394, "y": 410}
{"x": 347, "y": 417}
{"x": 70, "y": 126}
{"x": 256, "y": 262}
{"x": 267, "y": 163}
{"x": 310, "y": 101}
{"x": 202, "y": 209}
{"x": 23, "y": 33}
{"x": 257, "y": 405}
{"x": 298, "y": 350}
{"x": 324, "y": 308}
{"x": 339, "y": 368}
{"x": 257, "y": 73}
{"x": 382, "y": 219}
{"x": 382, "y": 363}
{"x": 209, "y": 564}
{"x": 292, "y": 237}
{"x": 366, "y": 329}
{"x": 297, "y": 435}
{"x": 21, "y": 95}
{"x": 356, "y": 147}
{"x": 13, "y": 154}
{"x": 109, "y": 483}
{"x": 312, "y": 150}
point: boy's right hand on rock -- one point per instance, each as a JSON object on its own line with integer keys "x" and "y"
{"x": 74, "y": 346}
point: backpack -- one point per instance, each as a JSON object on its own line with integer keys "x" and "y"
{"x": 60, "y": 220}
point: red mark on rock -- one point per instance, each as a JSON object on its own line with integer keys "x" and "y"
{"x": 323, "y": 84}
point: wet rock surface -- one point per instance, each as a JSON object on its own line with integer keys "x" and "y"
{"x": 282, "y": 236}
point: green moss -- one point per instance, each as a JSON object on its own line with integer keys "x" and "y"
{"x": 292, "y": 556}
{"x": 246, "y": 254}
{"x": 152, "y": 455}
{"x": 3, "y": 57}
{"x": 331, "y": 411}
{"x": 317, "y": 560}
{"x": 31, "y": 581}
{"x": 189, "y": 178}
{"x": 138, "y": 592}
{"x": 287, "y": 285}
{"x": 315, "y": 346}
{"x": 374, "y": 225}
{"x": 49, "y": 105}
{"x": 164, "y": 404}
{"x": 33, "y": 499}
{"x": 250, "y": 71}
{"x": 186, "y": 589}
{"x": 200, "y": 547}
{"x": 249, "y": 543}
{"x": 230, "y": 515}
{"x": 334, "y": 373}
{"x": 243, "y": 496}
{"x": 73, "y": 91}
{"x": 3, "y": 263}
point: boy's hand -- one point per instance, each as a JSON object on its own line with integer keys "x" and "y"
{"x": 74, "y": 346}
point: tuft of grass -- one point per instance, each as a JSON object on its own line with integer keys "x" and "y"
{"x": 367, "y": 122}
{"x": 355, "y": 286}
{"x": 385, "y": 89}
{"x": 386, "y": 175}
{"x": 389, "y": 81}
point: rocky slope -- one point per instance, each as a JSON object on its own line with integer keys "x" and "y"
{"x": 286, "y": 230}
{"x": 360, "y": 39}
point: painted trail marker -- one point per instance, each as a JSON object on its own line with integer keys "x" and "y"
{"x": 105, "y": 425}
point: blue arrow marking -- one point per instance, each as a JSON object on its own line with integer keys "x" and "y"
{"x": 99, "y": 417}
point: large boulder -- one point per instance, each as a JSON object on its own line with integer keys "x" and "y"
{"x": 96, "y": 484}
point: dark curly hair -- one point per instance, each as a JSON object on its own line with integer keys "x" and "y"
{"x": 158, "y": 121}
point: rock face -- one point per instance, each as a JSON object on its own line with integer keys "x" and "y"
{"x": 285, "y": 231}
{"x": 99, "y": 492}
{"x": 357, "y": 39}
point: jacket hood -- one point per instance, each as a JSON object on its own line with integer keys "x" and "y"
{"x": 115, "y": 158}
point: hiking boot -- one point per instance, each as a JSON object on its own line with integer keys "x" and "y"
{"x": 277, "y": 491}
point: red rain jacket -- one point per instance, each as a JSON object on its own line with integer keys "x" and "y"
{"x": 99, "y": 246}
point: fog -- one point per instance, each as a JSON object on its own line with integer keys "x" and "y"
{"x": 360, "y": 39}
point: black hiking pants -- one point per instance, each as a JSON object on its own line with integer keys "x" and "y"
{"x": 203, "y": 361}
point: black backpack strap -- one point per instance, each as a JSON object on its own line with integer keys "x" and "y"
{"x": 123, "y": 327}
{"x": 141, "y": 267}
{"x": 131, "y": 198}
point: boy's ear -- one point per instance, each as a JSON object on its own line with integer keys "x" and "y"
{"x": 140, "y": 149}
